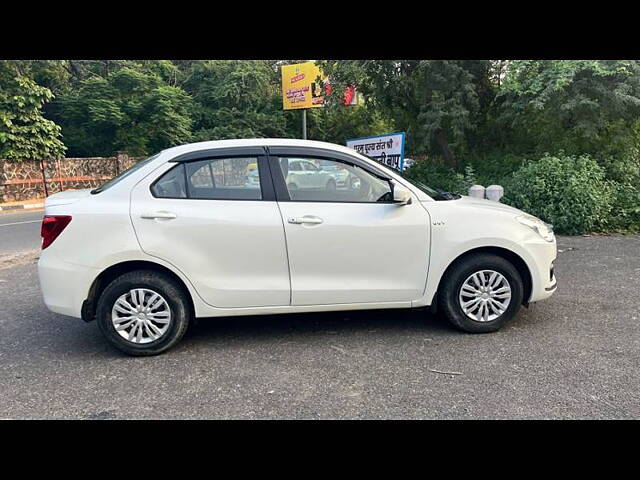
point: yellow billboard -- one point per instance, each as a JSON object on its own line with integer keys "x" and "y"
{"x": 303, "y": 86}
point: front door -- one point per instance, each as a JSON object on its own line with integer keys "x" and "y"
{"x": 351, "y": 243}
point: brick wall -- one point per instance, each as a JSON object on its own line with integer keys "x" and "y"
{"x": 29, "y": 179}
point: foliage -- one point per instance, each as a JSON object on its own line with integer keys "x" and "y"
{"x": 471, "y": 121}
{"x": 570, "y": 192}
{"x": 128, "y": 110}
{"x": 493, "y": 168}
{"x": 437, "y": 102}
{"x": 624, "y": 172}
{"x": 24, "y": 132}
{"x": 469, "y": 176}
{"x": 625, "y": 211}
{"x": 581, "y": 106}
{"x": 236, "y": 99}
{"x": 339, "y": 125}
{"x": 438, "y": 175}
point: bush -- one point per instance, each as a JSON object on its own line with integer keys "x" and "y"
{"x": 569, "y": 192}
{"x": 493, "y": 168}
{"x": 435, "y": 174}
{"x": 624, "y": 172}
{"x": 625, "y": 207}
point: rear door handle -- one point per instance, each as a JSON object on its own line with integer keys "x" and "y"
{"x": 161, "y": 214}
{"x": 310, "y": 219}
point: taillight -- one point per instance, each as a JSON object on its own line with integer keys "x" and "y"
{"x": 52, "y": 226}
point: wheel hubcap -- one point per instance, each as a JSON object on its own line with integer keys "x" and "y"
{"x": 485, "y": 295}
{"x": 141, "y": 315}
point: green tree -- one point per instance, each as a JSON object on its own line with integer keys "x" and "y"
{"x": 580, "y": 106}
{"x": 237, "y": 99}
{"x": 337, "y": 125}
{"x": 436, "y": 102}
{"x": 129, "y": 109}
{"x": 24, "y": 132}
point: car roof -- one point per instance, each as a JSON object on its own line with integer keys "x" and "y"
{"x": 253, "y": 142}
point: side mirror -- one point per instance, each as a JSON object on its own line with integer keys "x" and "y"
{"x": 401, "y": 196}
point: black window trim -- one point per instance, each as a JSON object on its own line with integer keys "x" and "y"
{"x": 264, "y": 173}
{"x": 220, "y": 153}
{"x": 272, "y": 182}
{"x": 281, "y": 190}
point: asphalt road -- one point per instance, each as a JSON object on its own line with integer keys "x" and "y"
{"x": 20, "y": 231}
{"x": 573, "y": 356}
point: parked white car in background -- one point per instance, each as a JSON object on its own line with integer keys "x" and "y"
{"x": 408, "y": 163}
{"x": 305, "y": 174}
{"x": 188, "y": 233}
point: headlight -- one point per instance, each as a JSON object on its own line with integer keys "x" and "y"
{"x": 545, "y": 230}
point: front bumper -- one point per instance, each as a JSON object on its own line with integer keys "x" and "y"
{"x": 543, "y": 278}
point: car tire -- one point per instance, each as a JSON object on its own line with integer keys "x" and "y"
{"x": 164, "y": 319}
{"x": 478, "y": 271}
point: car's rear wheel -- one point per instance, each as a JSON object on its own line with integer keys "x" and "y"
{"x": 143, "y": 312}
{"x": 480, "y": 293}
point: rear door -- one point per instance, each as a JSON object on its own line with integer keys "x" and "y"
{"x": 211, "y": 219}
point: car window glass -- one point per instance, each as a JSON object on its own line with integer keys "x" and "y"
{"x": 325, "y": 180}
{"x": 295, "y": 166}
{"x": 171, "y": 184}
{"x": 308, "y": 166}
{"x": 213, "y": 179}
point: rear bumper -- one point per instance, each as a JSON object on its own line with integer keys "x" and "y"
{"x": 64, "y": 285}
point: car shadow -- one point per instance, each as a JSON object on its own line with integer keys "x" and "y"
{"x": 75, "y": 338}
{"x": 70, "y": 337}
{"x": 266, "y": 328}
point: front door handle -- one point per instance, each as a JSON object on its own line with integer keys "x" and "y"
{"x": 311, "y": 219}
{"x": 161, "y": 214}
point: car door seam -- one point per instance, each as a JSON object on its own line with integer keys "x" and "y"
{"x": 286, "y": 248}
{"x": 430, "y": 259}
{"x": 282, "y": 220}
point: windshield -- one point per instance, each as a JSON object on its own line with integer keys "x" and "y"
{"x": 434, "y": 193}
{"x": 123, "y": 174}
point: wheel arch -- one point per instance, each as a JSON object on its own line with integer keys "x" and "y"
{"x": 88, "y": 311}
{"x": 516, "y": 260}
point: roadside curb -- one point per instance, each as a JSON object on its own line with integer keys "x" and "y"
{"x": 22, "y": 206}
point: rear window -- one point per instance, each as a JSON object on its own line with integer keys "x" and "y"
{"x": 171, "y": 184}
{"x": 212, "y": 179}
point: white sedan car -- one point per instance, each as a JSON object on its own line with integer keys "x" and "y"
{"x": 185, "y": 234}
{"x": 306, "y": 175}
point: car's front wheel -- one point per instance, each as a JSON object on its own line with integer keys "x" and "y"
{"x": 480, "y": 293}
{"x": 143, "y": 312}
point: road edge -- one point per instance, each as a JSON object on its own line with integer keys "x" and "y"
{"x": 22, "y": 206}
